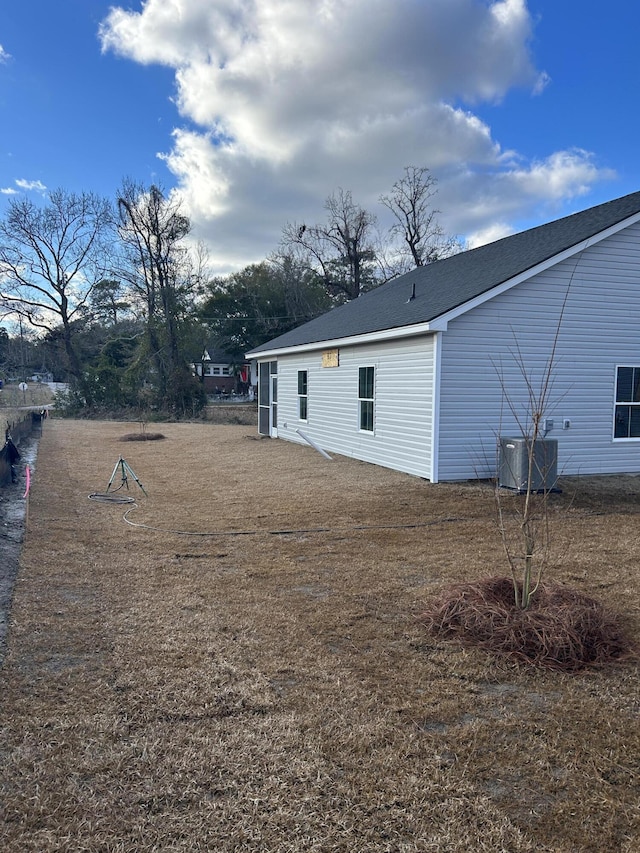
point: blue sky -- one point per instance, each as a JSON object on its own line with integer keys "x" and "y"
{"x": 71, "y": 116}
{"x": 256, "y": 110}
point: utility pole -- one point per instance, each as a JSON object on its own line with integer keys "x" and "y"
{"x": 22, "y": 359}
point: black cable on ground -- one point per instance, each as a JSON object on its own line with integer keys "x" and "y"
{"x": 110, "y": 498}
{"x": 287, "y": 532}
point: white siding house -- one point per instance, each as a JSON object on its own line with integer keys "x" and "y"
{"x": 425, "y": 373}
{"x": 403, "y": 381}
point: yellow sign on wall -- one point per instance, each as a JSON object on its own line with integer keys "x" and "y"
{"x": 331, "y": 358}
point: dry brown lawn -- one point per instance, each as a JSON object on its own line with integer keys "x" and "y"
{"x": 264, "y": 684}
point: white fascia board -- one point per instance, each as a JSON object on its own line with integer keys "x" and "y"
{"x": 353, "y": 340}
{"x": 444, "y": 319}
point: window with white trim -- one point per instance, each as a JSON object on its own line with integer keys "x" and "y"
{"x": 303, "y": 394}
{"x": 626, "y": 422}
{"x": 366, "y": 390}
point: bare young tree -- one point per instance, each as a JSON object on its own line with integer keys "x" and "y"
{"x": 525, "y": 531}
{"x": 51, "y": 259}
{"x": 422, "y": 238}
{"x": 340, "y": 250}
{"x": 523, "y": 521}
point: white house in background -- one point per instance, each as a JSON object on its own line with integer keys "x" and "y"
{"x": 421, "y": 374}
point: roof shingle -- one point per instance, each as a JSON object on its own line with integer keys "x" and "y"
{"x": 444, "y": 285}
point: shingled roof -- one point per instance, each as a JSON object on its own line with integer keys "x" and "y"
{"x": 445, "y": 285}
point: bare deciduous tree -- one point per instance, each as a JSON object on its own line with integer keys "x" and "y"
{"x": 341, "y": 250}
{"x": 422, "y": 238}
{"x": 51, "y": 258}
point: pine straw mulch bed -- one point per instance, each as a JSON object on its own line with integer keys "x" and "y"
{"x": 561, "y": 629}
{"x": 142, "y": 436}
{"x": 270, "y": 686}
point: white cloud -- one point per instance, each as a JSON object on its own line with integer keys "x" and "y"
{"x": 487, "y": 235}
{"x": 24, "y": 186}
{"x": 283, "y": 101}
{"x": 4, "y": 56}
{"x": 487, "y": 206}
{"x": 565, "y": 174}
{"x": 541, "y": 83}
{"x": 29, "y": 186}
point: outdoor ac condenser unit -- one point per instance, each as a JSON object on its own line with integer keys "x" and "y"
{"x": 514, "y": 464}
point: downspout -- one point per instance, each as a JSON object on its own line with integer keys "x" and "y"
{"x": 435, "y": 407}
{"x": 314, "y": 445}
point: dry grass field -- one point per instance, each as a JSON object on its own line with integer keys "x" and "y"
{"x": 241, "y": 667}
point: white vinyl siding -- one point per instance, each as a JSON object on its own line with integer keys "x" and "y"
{"x": 403, "y": 403}
{"x": 483, "y": 352}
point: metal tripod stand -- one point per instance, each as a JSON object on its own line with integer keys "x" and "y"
{"x": 126, "y": 471}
